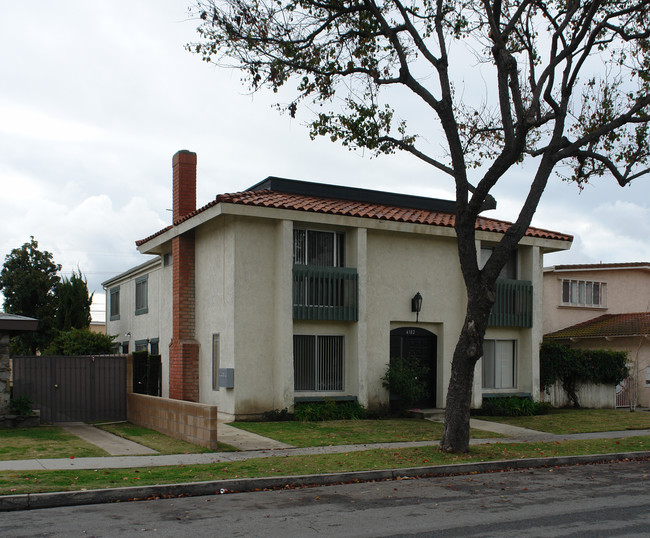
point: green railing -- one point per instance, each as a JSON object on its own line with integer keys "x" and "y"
{"x": 513, "y": 306}
{"x": 325, "y": 293}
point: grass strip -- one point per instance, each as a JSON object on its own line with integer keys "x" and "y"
{"x": 44, "y": 442}
{"x": 163, "y": 444}
{"x": 564, "y": 421}
{"x": 14, "y": 482}
{"x": 352, "y": 432}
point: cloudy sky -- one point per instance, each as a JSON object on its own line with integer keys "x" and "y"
{"x": 96, "y": 97}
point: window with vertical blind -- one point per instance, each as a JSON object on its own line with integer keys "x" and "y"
{"x": 319, "y": 248}
{"x": 318, "y": 363}
{"x": 584, "y": 293}
{"x": 499, "y": 364}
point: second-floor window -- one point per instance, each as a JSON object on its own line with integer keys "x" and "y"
{"x": 321, "y": 248}
{"x": 509, "y": 270}
{"x": 114, "y": 304}
{"x": 584, "y": 293}
{"x": 141, "y": 295}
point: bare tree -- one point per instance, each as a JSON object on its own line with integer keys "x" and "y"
{"x": 566, "y": 89}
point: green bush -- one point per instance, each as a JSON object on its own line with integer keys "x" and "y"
{"x": 277, "y": 415}
{"x": 571, "y": 366}
{"x": 22, "y": 406}
{"x": 81, "y": 342}
{"x": 328, "y": 409}
{"x": 406, "y": 379}
{"x": 513, "y": 406}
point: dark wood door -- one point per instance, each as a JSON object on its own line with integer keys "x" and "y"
{"x": 418, "y": 345}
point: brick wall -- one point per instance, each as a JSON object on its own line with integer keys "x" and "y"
{"x": 183, "y": 350}
{"x": 184, "y": 193}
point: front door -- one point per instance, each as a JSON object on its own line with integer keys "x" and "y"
{"x": 419, "y": 345}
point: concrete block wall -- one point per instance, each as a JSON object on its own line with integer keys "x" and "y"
{"x": 188, "y": 421}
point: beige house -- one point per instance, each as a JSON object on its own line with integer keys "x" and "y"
{"x": 603, "y": 306}
{"x": 293, "y": 291}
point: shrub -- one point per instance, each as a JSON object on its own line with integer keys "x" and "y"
{"x": 277, "y": 415}
{"x": 513, "y": 406}
{"x": 22, "y": 406}
{"x": 406, "y": 379}
{"x": 81, "y": 342}
{"x": 328, "y": 409}
{"x": 570, "y": 366}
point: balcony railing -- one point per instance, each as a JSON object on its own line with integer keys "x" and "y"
{"x": 513, "y": 306}
{"x": 325, "y": 293}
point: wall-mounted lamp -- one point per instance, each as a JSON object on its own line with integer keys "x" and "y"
{"x": 416, "y": 305}
{"x": 127, "y": 335}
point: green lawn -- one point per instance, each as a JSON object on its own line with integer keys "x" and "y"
{"x": 159, "y": 442}
{"x": 351, "y": 432}
{"x": 13, "y": 482}
{"x": 44, "y": 442}
{"x": 564, "y": 421}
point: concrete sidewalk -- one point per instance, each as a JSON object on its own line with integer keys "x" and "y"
{"x": 249, "y": 444}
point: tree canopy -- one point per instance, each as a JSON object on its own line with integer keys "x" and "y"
{"x": 73, "y": 303}
{"x": 29, "y": 280}
{"x": 475, "y": 89}
{"x": 32, "y": 287}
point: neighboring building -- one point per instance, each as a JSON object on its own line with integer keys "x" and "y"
{"x": 618, "y": 332}
{"x": 577, "y": 293}
{"x": 293, "y": 290}
{"x": 97, "y": 327}
{"x": 603, "y": 306}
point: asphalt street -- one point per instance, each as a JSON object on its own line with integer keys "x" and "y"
{"x": 584, "y": 500}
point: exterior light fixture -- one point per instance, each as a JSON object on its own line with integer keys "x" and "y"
{"x": 416, "y": 305}
{"x": 128, "y": 335}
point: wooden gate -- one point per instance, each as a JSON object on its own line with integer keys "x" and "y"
{"x": 73, "y": 389}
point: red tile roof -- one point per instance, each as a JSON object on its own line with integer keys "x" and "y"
{"x": 606, "y": 325}
{"x": 301, "y": 202}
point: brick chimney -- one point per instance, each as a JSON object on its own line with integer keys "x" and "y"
{"x": 183, "y": 349}
{"x": 184, "y": 167}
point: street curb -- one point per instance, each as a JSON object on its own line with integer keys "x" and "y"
{"x": 242, "y": 485}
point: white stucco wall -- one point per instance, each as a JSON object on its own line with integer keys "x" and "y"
{"x": 156, "y": 322}
{"x": 244, "y": 294}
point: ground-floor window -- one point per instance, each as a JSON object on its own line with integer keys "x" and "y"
{"x": 499, "y": 364}
{"x": 318, "y": 362}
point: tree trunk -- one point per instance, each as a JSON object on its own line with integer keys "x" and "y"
{"x": 469, "y": 349}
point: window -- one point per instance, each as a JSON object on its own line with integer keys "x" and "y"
{"x": 153, "y": 347}
{"x": 509, "y": 270}
{"x": 114, "y": 299}
{"x": 499, "y": 364}
{"x": 125, "y": 347}
{"x": 318, "y": 363}
{"x": 167, "y": 259}
{"x": 141, "y": 345}
{"x": 313, "y": 247}
{"x": 584, "y": 293}
{"x": 141, "y": 295}
{"x": 215, "y": 362}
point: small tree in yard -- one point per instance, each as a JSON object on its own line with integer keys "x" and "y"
{"x": 73, "y": 303}
{"x": 566, "y": 84}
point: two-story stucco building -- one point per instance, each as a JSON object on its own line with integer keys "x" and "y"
{"x": 292, "y": 290}
{"x": 603, "y": 306}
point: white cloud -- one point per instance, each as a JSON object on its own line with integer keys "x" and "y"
{"x": 32, "y": 123}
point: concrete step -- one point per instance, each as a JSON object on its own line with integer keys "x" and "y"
{"x": 428, "y": 414}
